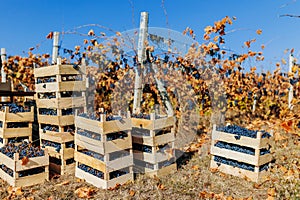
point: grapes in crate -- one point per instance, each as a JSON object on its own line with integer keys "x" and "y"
{"x": 240, "y": 131}
{"x": 25, "y": 149}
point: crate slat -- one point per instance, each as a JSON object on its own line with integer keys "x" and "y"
{"x": 253, "y": 176}
{"x": 61, "y": 103}
{"x": 256, "y": 160}
{"x": 58, "y": 70}
{"x": 155, "y": 140}
{"x": 56, "y": 120}
{"x": 100, "y": 183}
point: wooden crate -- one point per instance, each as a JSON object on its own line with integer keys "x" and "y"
{"x": 104, "y": 147}
{"x": 6, "y": 116}
{"x": 16, "y": 165}
{"x": 105, "y": 183}
{"x": 256, "y": 160}
{"x": 64, "y": 154}
{"x": 20, "y": 117}
{"x": 146, "y": 132}
{"x": 59, "y": 85}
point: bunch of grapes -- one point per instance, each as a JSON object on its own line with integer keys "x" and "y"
{"x": 91, "y": 170}
{"x": 47, "y": 95}
{"x": 143, "y": 116}
{"x": 67, "y": 111}
{"x": 56, "y": 145}
{"x": 50, "y": 79}
{"x": 48, "y": 111}
{"x": 93, "y": 154}
{"x": 234, "y": 163}
{"x": 240, "y": 131}
{"x": 71, "y": 78}
{"x": 96, "y": 116}
{"x": 14, "y": 108}
{"x": 30, "y": 172}
{"x": 117, "y": 173}
{"x": 89, "y": 134}
{"x": 142, "y": 148}
{"x": 24, "y": 149}
{"x": 117, "y": 135}
{"x": 17, "y": 125}
{"x": 234, "y": 147}
{"x": 7, "y": 170}
{"x": 48, "y": 127}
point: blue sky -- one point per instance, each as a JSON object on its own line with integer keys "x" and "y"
{"x": 26, "y": 23}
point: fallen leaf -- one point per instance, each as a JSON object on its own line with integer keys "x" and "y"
{"x": 195, "y": 167}
{"x": 85, "y": 192}
{"x": 24, "y": 160}
{"x": 214, "y": 170}
{"x": 131, "y": 193}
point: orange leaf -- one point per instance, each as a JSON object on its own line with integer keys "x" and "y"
{"x": 31, "y": 48}
{"x": 262, "y": 46}
{"x": 259, "y": 31}
{"x": 161, "y": 186}
{"x": 131, "y": 193}
{"x": 50, "y": 35}
{"x": 84, "y": 192}
{"x": 24, "y": 160}
{"x": 195, "y": 167}
{"x": 271, "y": 192}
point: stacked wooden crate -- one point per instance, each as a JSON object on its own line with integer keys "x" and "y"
{"x": 241, "y": 155}
{"x": 59, "y": 90}
{"x": 21, "y": 172}
{"x": 15, "y": 126}
{"x": 153, "y": 144}
{"x": 103, "y": 150}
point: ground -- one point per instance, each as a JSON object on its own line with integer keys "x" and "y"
{"x": 193, "y": 180}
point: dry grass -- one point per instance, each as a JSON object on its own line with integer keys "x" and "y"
{"x": 193, "y": 180}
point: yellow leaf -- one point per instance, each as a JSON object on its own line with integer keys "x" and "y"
{"x": 118, "y": 33}
{"x": 259, "y": 31}
{"x": 283, "y": 61}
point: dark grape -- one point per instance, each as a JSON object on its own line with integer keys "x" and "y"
{"x": 89, "y": 134}
{"x": 24, "y": 149}
{"x": 234, "y": 163}
{"x": 93, "y": 154}
{"x": 90, "y": 170}
{"x": 235, "y": 147}
{"x": 234, "y": 129}
{"x": 56, "y": 145}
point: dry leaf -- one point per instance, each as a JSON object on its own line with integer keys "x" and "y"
{"x": 131, "y": 193}
{"x": 50, "y": 35}
{"x": 24, "y": 160}
{"x": 85, "y": 192}
{"x": 195, "y": 167}
{"x": 259, "y": 31}
{"x": 161, "y": 186}
{"x": 118, "y": 33}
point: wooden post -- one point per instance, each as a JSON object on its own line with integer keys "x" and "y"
{"x": 290, "y": 98}
{"x": 254, "y": 103}
{"x": 55, "y": 47}
{"x": 138, "y": 89}
{"x": 3, "y": 74}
